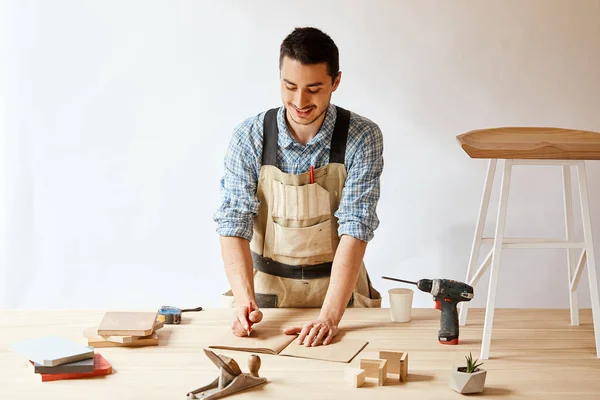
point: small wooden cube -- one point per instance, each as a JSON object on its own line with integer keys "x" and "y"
{"x": 375, "y": 368}
{"x": 355, "y": 375}
{"x": 397, "y": 362}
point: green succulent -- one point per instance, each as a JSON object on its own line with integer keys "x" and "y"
{"x": 472, "y": 366}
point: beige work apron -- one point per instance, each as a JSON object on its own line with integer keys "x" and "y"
{"x": 296, "y": 225}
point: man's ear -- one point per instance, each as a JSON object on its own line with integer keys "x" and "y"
{"x": 336, "y": 81}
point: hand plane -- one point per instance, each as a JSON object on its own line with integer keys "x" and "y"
{"x": 231, "y": 379}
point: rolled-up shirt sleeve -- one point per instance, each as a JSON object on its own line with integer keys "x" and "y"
{"x": 357, "y": 213}
{"x": 239, "y": 203}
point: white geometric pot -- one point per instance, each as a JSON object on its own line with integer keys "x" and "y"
{"x": 464, "y": 383}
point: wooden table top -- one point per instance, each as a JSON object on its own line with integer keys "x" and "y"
{"x": 534, "y": 354}
{"x": 531, "y": 143}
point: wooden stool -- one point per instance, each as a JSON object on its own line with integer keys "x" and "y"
{"x": 533, "y": 146}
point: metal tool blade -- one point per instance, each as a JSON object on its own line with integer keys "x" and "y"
{"x": 398, "y": 280}
{"x": 219, "y": 362}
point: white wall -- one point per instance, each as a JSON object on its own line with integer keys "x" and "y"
{"x": 5, "y": 30}
{"x": 120, "y": 113}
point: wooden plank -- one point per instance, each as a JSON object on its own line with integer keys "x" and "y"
{"x": 92, "y": 333}
{"x": 127, "y": 323}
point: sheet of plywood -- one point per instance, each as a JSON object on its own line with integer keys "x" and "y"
{"x": 531, "y": 143}
{"x": 93, "y": 334}
{"x": 98, "y": 341}
{"x": 127, "y": 323}
{"x": 50, "y": 351}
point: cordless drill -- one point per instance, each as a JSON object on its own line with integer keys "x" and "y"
{"x": 446, "y": 294}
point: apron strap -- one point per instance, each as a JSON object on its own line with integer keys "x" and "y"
{"x": 270, "y": 132}
{"x": 337, "y": 152}
{"x": 340, "y": 135}
{"x": 272, "y": 267}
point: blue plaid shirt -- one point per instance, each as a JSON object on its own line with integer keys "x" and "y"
{"x": 356, "y": 214}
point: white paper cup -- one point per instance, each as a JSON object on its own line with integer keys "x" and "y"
{"x": 400, "y": 304}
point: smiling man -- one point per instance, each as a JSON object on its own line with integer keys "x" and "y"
{"x": 299, "y": 195}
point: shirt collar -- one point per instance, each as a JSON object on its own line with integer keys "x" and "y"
{"x": 285, "y": 138}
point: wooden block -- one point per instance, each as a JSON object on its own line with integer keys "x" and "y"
{"x": 393, "y": 360}
{"x": 125, "y": 323}
{"x": 375, "y": 368}
{"x": 397, "y": 363}
{"x": 355, "y": 375}
{"x": 404, "y": 367}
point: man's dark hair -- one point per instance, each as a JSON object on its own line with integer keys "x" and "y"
{"x": 311, "y": 46}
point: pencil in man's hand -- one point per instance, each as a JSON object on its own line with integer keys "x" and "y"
{"x": 249, "y": 323}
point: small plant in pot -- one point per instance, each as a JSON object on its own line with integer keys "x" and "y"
{"x": 469, "y": 379}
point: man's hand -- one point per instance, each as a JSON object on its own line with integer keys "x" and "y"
{"x": 240, "y": 325}
{"x": 344, "y": 273}
{"x": 315, "y": 333}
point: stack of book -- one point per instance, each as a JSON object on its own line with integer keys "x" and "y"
{"x": 125, "y": 329}
{"x": 56, "y": 358}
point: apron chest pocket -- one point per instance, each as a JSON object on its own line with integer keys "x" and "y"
{"x": 300, "y": 202}
{"x": 302, "y": 221}
{"x": 303, "y": 242}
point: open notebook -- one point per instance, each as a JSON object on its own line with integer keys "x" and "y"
{"x": 274, "y": 341}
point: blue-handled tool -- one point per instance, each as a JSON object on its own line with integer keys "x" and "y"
{"x": 172, "y": 315}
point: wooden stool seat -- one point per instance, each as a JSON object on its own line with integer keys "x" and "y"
{"x": 530, "y": 147}
{"x": 531, "y": 143}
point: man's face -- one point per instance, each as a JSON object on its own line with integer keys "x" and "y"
{"x": 306, "y": 90}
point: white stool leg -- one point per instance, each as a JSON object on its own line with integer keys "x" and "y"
{"x": 483, "y": 208}
{"x": 498, "y": 241}
{"x": 568, "y": 202}
{"x": 589, "y": 248}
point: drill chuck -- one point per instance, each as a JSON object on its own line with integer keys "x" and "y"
{"x": 426, "y": 285}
